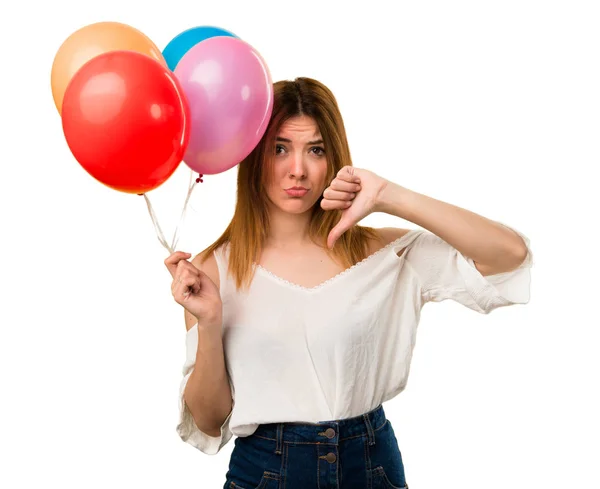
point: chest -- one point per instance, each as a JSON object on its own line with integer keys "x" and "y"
{"x": 343, "y": 321}
{"x": 308, "y": 268}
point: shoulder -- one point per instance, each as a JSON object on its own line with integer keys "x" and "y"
{"x": 389, "y": 235}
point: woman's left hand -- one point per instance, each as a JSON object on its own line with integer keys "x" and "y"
{"x": 355, "y": 192}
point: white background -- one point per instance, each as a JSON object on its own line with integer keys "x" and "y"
{"x": 492, "y": 106}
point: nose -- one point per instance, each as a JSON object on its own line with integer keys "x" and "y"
{"x": 297, "y": 167}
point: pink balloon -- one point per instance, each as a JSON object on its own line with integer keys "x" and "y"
{"x": 230, "y": 93}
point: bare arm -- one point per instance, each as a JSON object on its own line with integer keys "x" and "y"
{"x": 493, "y": 247}
{"x": 207, "y": 393}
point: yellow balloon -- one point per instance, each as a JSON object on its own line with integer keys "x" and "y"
{"x": 90, "y": 41}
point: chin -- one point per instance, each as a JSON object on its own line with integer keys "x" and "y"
{"x": 294, "y": 206}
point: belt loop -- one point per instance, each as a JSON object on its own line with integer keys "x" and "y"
{"x": 370, "y": 431}
{"x": 278, "y": 448}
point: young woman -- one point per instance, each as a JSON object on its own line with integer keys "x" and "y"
{"x": 301, "y": 323}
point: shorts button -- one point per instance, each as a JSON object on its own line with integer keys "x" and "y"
{"x": 329, "y": 432}
{"x": 330, "y": 457}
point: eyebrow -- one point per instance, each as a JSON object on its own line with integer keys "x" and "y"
{"x": 285, "y": 140}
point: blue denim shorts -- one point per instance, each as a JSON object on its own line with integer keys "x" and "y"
{"x": 354, "y": 453}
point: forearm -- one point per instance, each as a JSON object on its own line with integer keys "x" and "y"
{"x": 483, "y": 240}
{"x": 207, "y": 393}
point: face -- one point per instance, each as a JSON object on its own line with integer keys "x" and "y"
{"x": 298, "y": 160}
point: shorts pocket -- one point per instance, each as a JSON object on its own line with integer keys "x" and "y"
{"x": 385, "y": 459}
{"x": 269, "y": 480}
{"x": 381, "y": 480}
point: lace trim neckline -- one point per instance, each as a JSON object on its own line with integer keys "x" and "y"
{"x": 342, "y": 273}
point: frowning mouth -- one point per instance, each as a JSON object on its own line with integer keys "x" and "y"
{"x": 296, "y": 191}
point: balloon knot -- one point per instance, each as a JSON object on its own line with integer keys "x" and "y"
{"x": 199, "y": 179}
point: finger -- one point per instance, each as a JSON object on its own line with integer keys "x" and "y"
{"x": 345, "y": 186}
{"x": 338, "y": 195}
{"x": 194, "y": 288}
{"x": 182, "y": 287}
{"x": 176, "y": 256}
{"x": 173, "y": 259}
{"x": 329, "y": 205}
{"x": 185, "y": 269}
{"x": 348, "y": 174}
{"x": 186, "y": 273}
{"x": 184, "y": 266}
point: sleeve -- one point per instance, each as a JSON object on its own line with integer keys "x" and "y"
{"x": 445, "y": 273}
{"x": 186, "y": 427}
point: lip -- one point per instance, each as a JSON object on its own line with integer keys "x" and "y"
{"x": 296, "y": 191}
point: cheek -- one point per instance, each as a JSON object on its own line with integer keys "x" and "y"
{"x": 323, "y": 178}
{"x": 273, "y": 178}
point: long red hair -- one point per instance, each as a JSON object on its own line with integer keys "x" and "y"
{"x": 249, "y": 227}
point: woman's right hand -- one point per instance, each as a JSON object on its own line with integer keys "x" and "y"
{"x": 193, "y": 289}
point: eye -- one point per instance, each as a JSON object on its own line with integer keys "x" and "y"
{"x": 322, "y": 150}
{"x": 277, "y": 147}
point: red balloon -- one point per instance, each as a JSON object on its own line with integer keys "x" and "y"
{"x": 126, "y": 120}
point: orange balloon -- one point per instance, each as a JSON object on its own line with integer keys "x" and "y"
{"x": 90, "y": 41}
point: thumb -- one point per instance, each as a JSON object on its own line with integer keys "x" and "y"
{"x": 339, "y": 229}
{"x": 206, "y": 283}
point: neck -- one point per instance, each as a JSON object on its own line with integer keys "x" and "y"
{"x": 287, "y": 230}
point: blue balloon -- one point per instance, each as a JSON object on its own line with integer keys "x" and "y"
{"x": 183, "y": 42}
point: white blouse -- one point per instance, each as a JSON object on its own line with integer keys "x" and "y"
{"x": 298, "y": 354}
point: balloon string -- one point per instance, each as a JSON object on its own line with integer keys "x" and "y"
{"x": 159, "y": 233}
{"x": 157, "y": 228}
{"x": 191, "y": 186}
